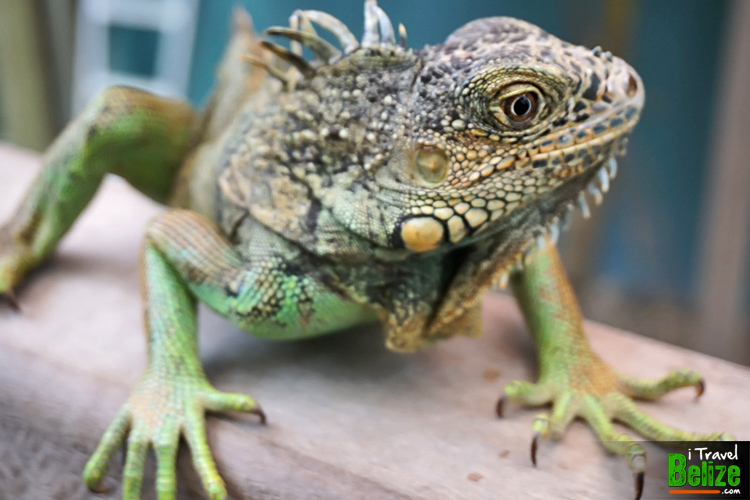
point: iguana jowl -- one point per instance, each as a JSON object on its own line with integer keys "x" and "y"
{"x": 374, "y": 181}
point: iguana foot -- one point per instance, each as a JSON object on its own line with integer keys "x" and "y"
{"x": 589, "y": 389}
{"x": 157, "y": 414}
{"x": 579, "y": 384}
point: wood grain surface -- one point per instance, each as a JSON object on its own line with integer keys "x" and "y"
{"x": 347, "y": 418}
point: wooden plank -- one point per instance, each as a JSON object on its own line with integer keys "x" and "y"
{"x": 347, "y": 418}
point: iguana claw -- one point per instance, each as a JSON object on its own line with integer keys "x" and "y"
{"x": 500, "y": 406}
{"x": 261, "y": 414}
{"x": 638, "y": 478}
{"x": 540, "y": 429}
{"x": 700, "y": 388}
{"x": 12, "y": 300}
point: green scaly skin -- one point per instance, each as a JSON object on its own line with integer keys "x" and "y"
{"x": 375, "y": 182}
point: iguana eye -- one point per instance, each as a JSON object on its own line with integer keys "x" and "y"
{"x": 518, "y": 105}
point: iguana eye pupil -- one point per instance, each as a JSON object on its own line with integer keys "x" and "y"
{"x": 522, "y": 108}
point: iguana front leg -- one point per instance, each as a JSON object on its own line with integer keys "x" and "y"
{"x": 576, "y": 381}
{"x": 131, "y": 133}
{"x": 186, "y": 259}
{"x": 173, "y": 394}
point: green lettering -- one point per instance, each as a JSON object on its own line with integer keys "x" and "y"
{"x": 677, "y": 464}
{"x": 733, "y": 475}
{"x": 704, "y": 473}
{"x": 719, "y": 481}
{"x": 694, "y": 475}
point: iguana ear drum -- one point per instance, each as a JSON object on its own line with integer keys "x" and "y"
{"x": 431, "y": 163}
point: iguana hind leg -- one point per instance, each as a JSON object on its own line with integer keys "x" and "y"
{"x": 141, "y": 137}
{"x": 576, "y": 381}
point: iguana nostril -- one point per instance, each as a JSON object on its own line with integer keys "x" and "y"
{"x": 632, "y": 85}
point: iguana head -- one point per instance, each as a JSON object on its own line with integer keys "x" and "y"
{"x": 503, "y": 116}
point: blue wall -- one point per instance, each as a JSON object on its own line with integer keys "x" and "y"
{"x": 651, "y": 241}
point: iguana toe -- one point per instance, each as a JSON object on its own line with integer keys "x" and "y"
{"x": 652, "y": 389}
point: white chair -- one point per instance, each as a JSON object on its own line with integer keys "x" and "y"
{"x": 175, "y": 22}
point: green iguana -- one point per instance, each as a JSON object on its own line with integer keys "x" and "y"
{"x": 375, "y": 181}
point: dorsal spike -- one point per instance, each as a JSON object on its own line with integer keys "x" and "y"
{"x": 305, "y": 26}
{"x": 272, "y": 70}
{"x": 323, "y": 50}
{"x": 402, "y": 40}
{"x": 371, "y": 36}
{"x": 290, "y": 57}
{"x": 387, "y": 36}
{"x": 294, "y": 23}
{"x": 338, "y": 29}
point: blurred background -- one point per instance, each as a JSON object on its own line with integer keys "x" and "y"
{"x": 666, "y": 255}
